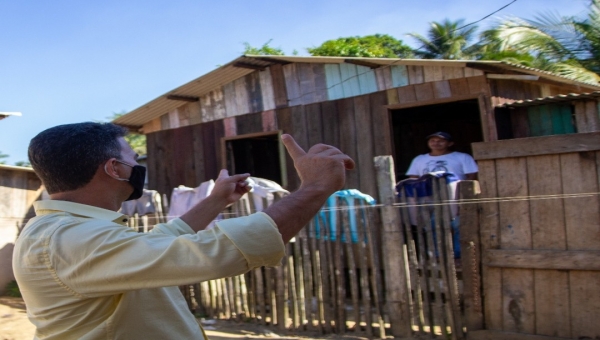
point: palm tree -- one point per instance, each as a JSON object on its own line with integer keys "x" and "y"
{"x": 565, "y": 45}
{"x": 446, "y": 40}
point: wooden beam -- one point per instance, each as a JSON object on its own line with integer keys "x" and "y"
{"x": 183, "y": 98}
{"x": 498, "y": 335}
{"x": 543, "y": 259}
{"x": 275, "y": 61}
{"x": 533, "y": 146}
{"x": 362, "y": 63}
{"x": 131, "y": 128}
{"x": 249, "y": 66}
{"x": 512, "y": 76}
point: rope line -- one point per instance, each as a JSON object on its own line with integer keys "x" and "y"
{"x": 410, "y": 205}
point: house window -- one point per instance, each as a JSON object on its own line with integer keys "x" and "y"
{"x": 260, "y": 155}
{"x": 550, "y": 119}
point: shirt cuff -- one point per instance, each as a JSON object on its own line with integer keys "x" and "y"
{"x": 257, "y": 237}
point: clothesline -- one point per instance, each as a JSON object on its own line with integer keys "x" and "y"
{"x": 441, "y": 203}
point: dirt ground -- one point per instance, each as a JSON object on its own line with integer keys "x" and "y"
{"x": 14, "y": 325}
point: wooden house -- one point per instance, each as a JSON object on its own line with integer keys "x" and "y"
{"x": 232, "y": 116}
{"x": 532, "y": 242}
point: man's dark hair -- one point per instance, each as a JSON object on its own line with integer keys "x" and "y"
{"x": 66, "y": 157}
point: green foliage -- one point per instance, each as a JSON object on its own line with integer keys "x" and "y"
{"x": 446, "y": 40}
{"x": 373, "y": 46}
{"x": 137, "y": 141}
{"x": 23, "y": 163}
{"x": 2, "y": 156}
{"x": 565, "y": 45}
{"x": 265, "y": 49}
{"x": 12, "y": 289}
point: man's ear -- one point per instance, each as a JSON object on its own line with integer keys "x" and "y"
{"x": 450, "y": 144}
{"x": 109, "y": 168}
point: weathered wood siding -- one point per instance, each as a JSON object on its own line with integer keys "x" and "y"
{"x": 190, "y": 155}
{"x": 540, "y": 236}
{"x": 304, "y": 83}
{"x": 18, "y": 190}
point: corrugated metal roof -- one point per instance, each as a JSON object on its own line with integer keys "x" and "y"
{"x": 553, "y": 99}
{"x": 249, "y": 63}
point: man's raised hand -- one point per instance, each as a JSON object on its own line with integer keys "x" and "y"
{"x": 323, "y": 167}
{"x": 230, "y": 188}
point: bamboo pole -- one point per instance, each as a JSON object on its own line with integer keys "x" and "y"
{"x": 340, "y": 306}
{"x": 280, "y": 286}
{"x": 307, "y": 260}
{"x": 364, "y": 269}
{"x": 215, "y": 300}
{"x": 351, "y": 263}
{"x": 315, "y": 256}
{"x": 433, "y": 274}
{"x": 270, "y": 274}
{"x": 442, "y": 256}
{"x": 453, "y": 299}
{"x": 292, "y": 289}
{"x": 261, "y": 311}
{"x": 326, "y": 295}
{"x": 417, "y": 301}
{"x": 299, "y": 281}
{"x": 375, "y": 275}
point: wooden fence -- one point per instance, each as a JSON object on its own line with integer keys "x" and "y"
{"x": 355, "y": 269}
{"x": 540, "y": 237}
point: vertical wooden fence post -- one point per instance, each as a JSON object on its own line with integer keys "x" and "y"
{"x": 471, "y": 250}
{"x": 392, "y": 249}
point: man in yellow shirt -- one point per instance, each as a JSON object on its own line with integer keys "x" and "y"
{"x": 85, "y": 275}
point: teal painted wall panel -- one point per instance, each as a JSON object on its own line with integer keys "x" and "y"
{"x": 366, "y": 79}
{"x": 333, "y": 80}
{"x": 546, "y": 121}
{"x": 535, "y": 121}
{"x": 399, "y": 75}
{"x": 349, "y": 80}
{"x": 566, "y": 113}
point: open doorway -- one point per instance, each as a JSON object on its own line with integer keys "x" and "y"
{"x": 260, "y": 155}
{"x": 412, "y": 125}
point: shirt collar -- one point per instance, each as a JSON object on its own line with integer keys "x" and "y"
{"x": 50, "y": 206}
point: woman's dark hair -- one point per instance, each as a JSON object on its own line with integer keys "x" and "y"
{"x": 66, "y": 157}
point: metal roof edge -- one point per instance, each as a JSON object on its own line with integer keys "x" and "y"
{"x": 149, "y": 111}
{"x": 551, "y": 99}
{"x": 16, "y": 167}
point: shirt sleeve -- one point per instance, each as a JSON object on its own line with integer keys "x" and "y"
{"x": 413, "y": 169}
{"x": 469, "y": 165}
{"x": 96, "y": 259}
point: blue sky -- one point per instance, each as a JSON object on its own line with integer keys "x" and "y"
{"x": 72, "y": 61}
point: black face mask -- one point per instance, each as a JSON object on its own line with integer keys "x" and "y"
{"x": 136, "y": 180}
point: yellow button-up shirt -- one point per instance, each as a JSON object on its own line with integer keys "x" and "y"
{"x": 85, "y": 275}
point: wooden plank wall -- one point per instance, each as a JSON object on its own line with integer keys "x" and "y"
{"x": 540, "y": 236}
{"x": 191, "y": 155}
{"x": 305, "y": 83}
{"x": 18, "y": 190}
